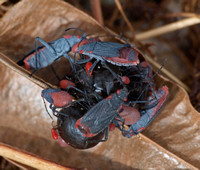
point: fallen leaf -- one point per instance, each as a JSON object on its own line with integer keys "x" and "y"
{"x": 171, "y": 141}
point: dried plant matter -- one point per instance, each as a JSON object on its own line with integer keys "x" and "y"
{"x": 171, "y": 141}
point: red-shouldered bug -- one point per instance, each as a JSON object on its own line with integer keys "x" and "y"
{"x": 148, "y": 114}
{"x": 97, "y": 118}
{"x": 106, "y": 103}
{"x": 126, "y": 78}
{"x": 111, "y": 52}
{"x": 45, "y": 55}
{"x": 101, "y": 115}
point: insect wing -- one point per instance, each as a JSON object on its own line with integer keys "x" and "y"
{"x": 45, "y": 55}
{"x": 99, "y": 116}
{"x": 108, "y": 49}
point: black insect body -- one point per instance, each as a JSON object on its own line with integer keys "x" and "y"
{"x": 109, "y": 84}
{"x": 70, "y": 134}
{"x": 100, "y": 83}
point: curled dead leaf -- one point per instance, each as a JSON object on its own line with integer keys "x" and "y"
{"x": 171, "y": 141}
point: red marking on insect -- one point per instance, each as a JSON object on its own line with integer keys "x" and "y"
{"x": 125, "y": 79}
{"x": 132, "y": 133}
{"x": 89, "y": 135}
{"x": 131, "y": 53}
{"x": 61, "y": 98}
{"x": 111, "y": 127}
{"x": 128, "y": 56}
{"x": 78, "y": 122}
{"x": 121, "y": 61}
{"x": 67, "y": 36}
{"x": 144, "y": 64}
{"x": 130, "y": 115}
{"x": 83, "y": 129}
{"x": 54, "y": 134}
{"x": 79, "y": 44}
{"x": 26, "y": 64}
{"x": 62, "y": 142}
{"x": 120, "y": 109}
{"x": 142, "y": 128}
{"x": 65, "y": 83}
{"x": 109, "y": 97}
{"x": 89, "y": 52}
{"x": 118, "y": 91}
{"x": 83, "y": 42}
{"x": 87, "y": 67}
{"x": 81, "y": 51}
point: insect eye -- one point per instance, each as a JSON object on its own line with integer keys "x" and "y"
{"x": 82, "y": 130}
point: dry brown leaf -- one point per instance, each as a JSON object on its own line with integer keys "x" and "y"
{"x": 171, "y": 141}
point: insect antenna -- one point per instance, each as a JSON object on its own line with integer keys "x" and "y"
{"x": 121, "y": 37}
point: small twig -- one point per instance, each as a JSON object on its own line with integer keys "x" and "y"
{"x": 96, "y": 10}
{"x": 125, "y": 18}
{"x": 181, "y": 14}
{"x": 113, "y": 17}
{"x": 27, "y": 159}
{"x": 168, "y": 28}
{"x": 19, "y": 165}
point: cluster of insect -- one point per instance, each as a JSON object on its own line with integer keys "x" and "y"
{"x": 109, "y": 86}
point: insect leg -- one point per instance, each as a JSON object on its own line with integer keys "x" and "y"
{"x": 106, "y": 135}
{"x": 83, "y": 61}
{"x": 112, "y": 72}
{"x": 51, "y": 49}
{"x": 84, "y": 33}
{"x": 75, "y": 89}
{"x": 103, "y": 140}
{"x": 70, "y": 60}
{"x": 93, "y": 66}
{"x": 46, "y": 109}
